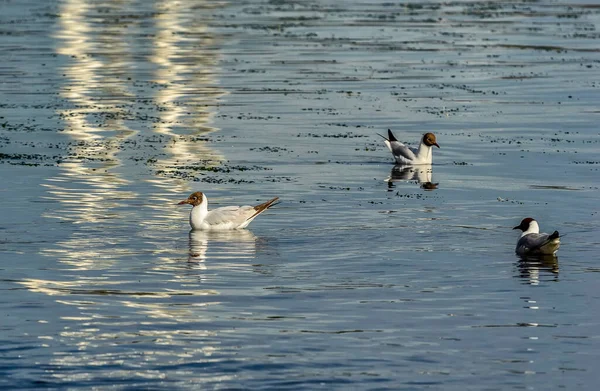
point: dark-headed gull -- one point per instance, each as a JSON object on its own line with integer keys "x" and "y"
{"x": 532, "y": 242}
{"x": 227, "y": 217}
{"x": 406, "y": 155}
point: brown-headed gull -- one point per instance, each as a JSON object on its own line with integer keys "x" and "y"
{"x": 532, "y": 242}
{"x": 227, "y": 217}
{"x": 406, "y": 155}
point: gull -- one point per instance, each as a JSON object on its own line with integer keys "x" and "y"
{"x": 227, "y": 217}
{"x": 406, "y": 155}
{"x": 532, "y": 242}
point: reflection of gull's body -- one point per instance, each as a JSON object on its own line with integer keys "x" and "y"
{"x": 406, "y": 155}
{"x": 402, "y": 172}
{"x": 530, "y": 268}
{"x": 227, "y": 217}
{"x": 232, "y": 244}
{"x": 532, "y": 242}
{"x": 421, "y": 173}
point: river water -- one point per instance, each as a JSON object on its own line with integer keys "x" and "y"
{"x": 113, "y": 111}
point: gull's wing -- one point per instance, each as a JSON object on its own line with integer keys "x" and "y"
{"x": 538, "y": 243}
{"x": 400, "y": 151}
{"x": 233, "y": 217}
{"x": 229, "y": 215}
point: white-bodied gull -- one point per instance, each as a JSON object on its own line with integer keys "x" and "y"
{"x": 406, "y": 155}
{"x": 224, "y": 218}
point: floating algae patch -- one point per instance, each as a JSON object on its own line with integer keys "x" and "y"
{"x": 27, "y": 159}
{"x": 271, "y": 149}
{"x": 140, "y": 149}
{"x": 202, "y": 172}
{"x": 332, "y": 135}
{"x": 223, "y": 168}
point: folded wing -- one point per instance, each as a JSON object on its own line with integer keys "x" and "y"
{"x": 401, "y": 152}
{"x": 541, "y": 243}
{"x": 229, "y": 215}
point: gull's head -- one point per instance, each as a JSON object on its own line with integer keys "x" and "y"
{"x": 429, "y": 140}
{"x": 524, "y": 226}
{"x": 194, "y": 199}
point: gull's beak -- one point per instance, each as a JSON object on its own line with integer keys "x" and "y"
{"x": 183, "y": 202}
{"x": 517, "y": 227}
{"x": 436, "y": 144}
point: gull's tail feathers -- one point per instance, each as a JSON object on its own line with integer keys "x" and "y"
{"x": 264, "y": 206}
{"x": 390, "y": 136}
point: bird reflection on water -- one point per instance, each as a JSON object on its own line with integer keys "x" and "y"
{"x": 221, "y": 245}
{"x": 532, "y": 269}
{"x": 421, "y": 174}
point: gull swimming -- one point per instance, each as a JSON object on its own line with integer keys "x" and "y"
{"x": 532, "y": 242}
{"x": 406, "y": 155}
{"x": 224, "y": 218}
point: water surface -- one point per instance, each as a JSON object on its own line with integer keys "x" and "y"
{"x": 111, "y": 112}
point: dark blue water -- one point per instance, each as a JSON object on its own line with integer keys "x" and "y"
{"x": 112, "y": 112}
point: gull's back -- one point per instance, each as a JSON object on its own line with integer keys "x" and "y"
{"x": 228, "y": 217}
{"x": 541, "y": 243}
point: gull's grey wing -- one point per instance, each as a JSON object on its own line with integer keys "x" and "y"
{"x": 234, "y": 215}
{"x": 538, "y": 243}
{"x": 402, "y": 153}
{"x": 399, "y": 150}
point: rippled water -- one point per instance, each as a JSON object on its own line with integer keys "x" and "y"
{"x": 113, "y": 111}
